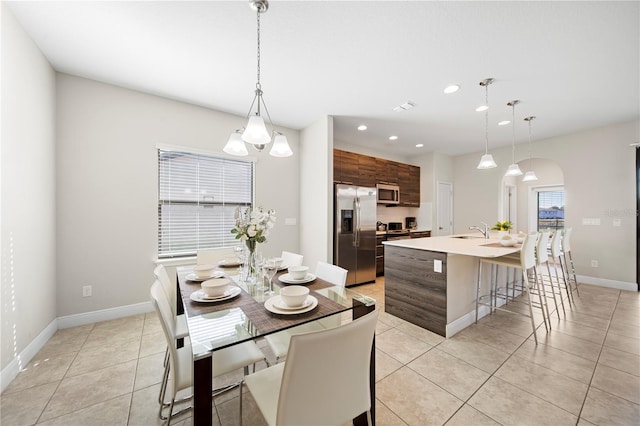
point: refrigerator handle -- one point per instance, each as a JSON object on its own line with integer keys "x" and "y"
{"x": 356, "y": 225}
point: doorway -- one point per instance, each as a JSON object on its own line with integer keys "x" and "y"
{"x": 444, "y": 214}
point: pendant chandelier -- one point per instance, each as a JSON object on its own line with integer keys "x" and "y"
{"x": 486, "y": 162}
{"x": 530, "y": 176}
{"x": 514, "y": 169}
{"x": 255, "y": 132}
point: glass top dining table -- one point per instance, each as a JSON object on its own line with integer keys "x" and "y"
{"x": 214, "y": 325}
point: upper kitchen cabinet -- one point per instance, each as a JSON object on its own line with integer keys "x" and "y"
{"x": 363, "y": 170}
{"x": 387, "y": 171}
{"x": 367, "y": 166}
{"x": 345, "y": 167}
{"x": 410, "y": 189}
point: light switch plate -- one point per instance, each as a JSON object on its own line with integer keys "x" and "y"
{"x": 437, "y": 265}
{"x": 595, "y": 221}
{"x": 616, "y": 222}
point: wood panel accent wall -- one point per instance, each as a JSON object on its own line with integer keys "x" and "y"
{"x": 413, "y": 291}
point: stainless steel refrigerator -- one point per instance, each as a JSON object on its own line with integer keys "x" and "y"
{"x": 355, "y": 232}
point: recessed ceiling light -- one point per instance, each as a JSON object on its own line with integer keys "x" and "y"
{"x": 482, "y": 108}
{"x": 451, "y": 89}
{"x": 420, "y": 145}
{"x": 393, "y": 138}
{"x": 504, "y": 122}
{"x": 362, "y": 127}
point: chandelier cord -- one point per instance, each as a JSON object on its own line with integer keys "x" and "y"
{"x": 258, "y": 87}
{"x": 486, "y": 119}
{"x": 513, "y": 145}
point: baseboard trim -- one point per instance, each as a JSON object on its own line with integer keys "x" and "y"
{"x": 18, "y": 362}
{"x": 104, "y": 315}
{"x": 603, "y": 282}
{"x": 21, "y": 360}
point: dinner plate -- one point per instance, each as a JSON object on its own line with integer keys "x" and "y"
{"x": 275, "y": 304}
{"x": 200, "y": 296}
{"x": 215, "y": 274}
{"x": 286, "y": 278}
{"x": 229, "y": 262}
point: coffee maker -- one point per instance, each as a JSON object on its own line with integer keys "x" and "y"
{"x": 410, "y": 223}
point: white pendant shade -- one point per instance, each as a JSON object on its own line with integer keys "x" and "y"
{"x": 256, "y": 132}
{"x": 235, "y": 145}
{"x": 486, "y": 162}
{"x": 530, "y": 176}
{"x": 513, "y": 170}
{"x": 280, "y": 147}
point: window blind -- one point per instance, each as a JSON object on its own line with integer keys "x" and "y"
{"x": 550, "y": 210}
{"x": 197, "y": 199}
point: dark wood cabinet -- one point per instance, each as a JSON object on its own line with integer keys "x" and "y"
{"x": 346, "y": 168}
{"x": 364, "y": 170}
{"x": 380, "y": 254}
{"x": 387, "y": 171}
{"x": 367, "y": 170}
{"x": 420, "y": 234}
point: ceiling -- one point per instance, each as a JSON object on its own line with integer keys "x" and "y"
{"x": 574, "y": 65}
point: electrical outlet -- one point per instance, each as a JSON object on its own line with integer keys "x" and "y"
{"x": 437, "y": 265}
{"x": 616, "y": 222}
{"x": 594, "y": 264}
{"x": 86, "y": 291}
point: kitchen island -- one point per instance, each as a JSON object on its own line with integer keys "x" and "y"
{"x": 431, "y": 282}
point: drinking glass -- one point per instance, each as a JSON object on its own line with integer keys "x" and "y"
{"x": 271, "y": 267}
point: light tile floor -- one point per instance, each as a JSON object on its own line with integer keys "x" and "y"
{"x": 585, "y": 371}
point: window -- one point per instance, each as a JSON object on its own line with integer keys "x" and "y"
{"x": 197, "y": 199}
{"x": 550, "y": 208}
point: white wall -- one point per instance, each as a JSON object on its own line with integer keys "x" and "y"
{"x": 316, "y": 194}
{"x": 28, "y": 194}
{"x": 107, "y": 187}
{"x": 599, "y": 180}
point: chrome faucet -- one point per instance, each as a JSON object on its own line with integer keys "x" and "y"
{"x": 484, "y": 231}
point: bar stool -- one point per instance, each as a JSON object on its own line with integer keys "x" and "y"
{"x": 542, "y": 258}
{"x": 566, "y": 250}
{"x": 556, "y": 257}
{"x": 526, "y": 262}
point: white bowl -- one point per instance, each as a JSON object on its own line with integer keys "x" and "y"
{"x": 294, "y": 295}
{"x": 203, "y": 271}
{"x": 215, "y": 287}
{"x": 507, "y": 242}
{"x": 298, "y": 272}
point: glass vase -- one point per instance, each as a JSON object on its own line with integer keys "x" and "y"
{"x": 252, "y": 266}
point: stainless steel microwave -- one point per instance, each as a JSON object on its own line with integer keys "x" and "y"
{"x": 388, "y": 194}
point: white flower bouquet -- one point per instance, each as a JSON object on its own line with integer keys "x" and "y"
{"x": 253, "y": 225}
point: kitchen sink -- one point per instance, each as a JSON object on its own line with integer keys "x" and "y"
{"x": 466, "y": 237}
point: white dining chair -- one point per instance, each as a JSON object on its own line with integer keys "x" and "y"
{"x": 212, "y": 256}
{"x": 301, "y": 392}
{"x": 291, "y": 259}
{"x": 332, "y": 273}
{"x": 181, "y": 360}
{"x": 279, "y": 342}
{"x": 180, "y": 321}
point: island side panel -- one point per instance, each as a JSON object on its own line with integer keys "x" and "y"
{"x": 413, "y": 290}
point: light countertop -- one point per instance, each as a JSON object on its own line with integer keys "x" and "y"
{"x": 477, "y": 247}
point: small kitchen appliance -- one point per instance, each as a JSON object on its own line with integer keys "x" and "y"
{"x": 394, "y": 226}
{"x": 410, "y": 223}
